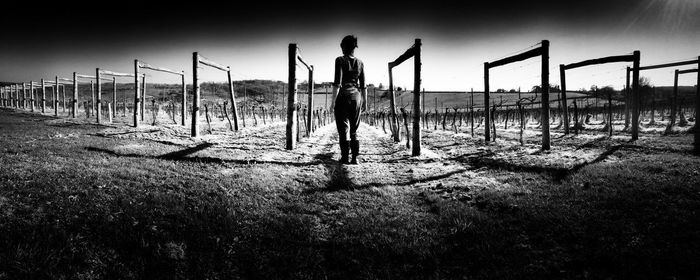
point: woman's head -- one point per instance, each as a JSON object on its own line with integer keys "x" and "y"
{"x": 348, "y": 44}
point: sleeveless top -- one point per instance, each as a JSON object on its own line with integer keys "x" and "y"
{"x": 349, "y": 73}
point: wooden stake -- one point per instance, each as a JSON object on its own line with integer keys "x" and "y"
{"x": 636, "y": 100}
{"x": 99, "y": 94}
{"x": 113, "y": 114}
{"x": 137, "y": 100}
{"x": 627, "y": 99}
{"x": 92, "y": 92}
{"x": 394, "y": 125}
{"x": 184, "y": 100}
{"x": 234, "y": 109}
{"x": 109, "y": 108}
{"x": 310, "y": 113}
{"x": 564, "y": 105}
{"x": 143, "y": 97}
{"x": 195, "y": 90}
{"x": 487, "y": 132}
{"x": 43, "y": 96}
{"x": 544, "y": 119}
{"x": 416, "y": 151}
{"x": 696, "y": 144}
{"x": 291, "y": 129}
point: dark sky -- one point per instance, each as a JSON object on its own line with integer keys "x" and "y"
{"x": 42, "y": 40}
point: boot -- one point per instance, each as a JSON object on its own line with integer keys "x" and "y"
{"x": 344, "y": 151}
{"x": 355, "y": 147}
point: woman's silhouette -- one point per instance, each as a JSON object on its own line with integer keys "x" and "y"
{"x": 348, "y": 82}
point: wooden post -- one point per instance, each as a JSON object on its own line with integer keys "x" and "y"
{"x": 610, "y": 114}
{"x": 545, "y": 95}
{"x": 674, "y": 102}
{"x": 416, "y": 99}
{"x": 63, "y": 98}
{"x": 114, "y": 98}
{"x": 43, "y": 96}
{"x": 24, "y": 95}
{"x": 627, "y": 99}
{"x": 310, "y": 113}
{"x": 143, "y": 98}
{"x": 472, "y": 111}
{"x": 184, "y": 100}
{"x": 697, "y": 111}
{"x": 99, "y": 94}
{"x": 291, "y": 129}
{"x": 635, "y": 97}
{"x": 55, "y": 98}
{"x": 92, "y": 92}
{"x": 564, "y": 104}
{"x": 195, "y": 91}
{"x": 137, "y": 100}
{"x": 394, "y": 118}
{"x": 234, "y": 108}
{"x": 74, "y": 104}
{"x": 109, "y": 108}
{"x": 32, "y": 95}
{"x": 487, "y": 132}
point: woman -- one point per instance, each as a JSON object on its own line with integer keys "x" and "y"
{"x": 348, "y": 82}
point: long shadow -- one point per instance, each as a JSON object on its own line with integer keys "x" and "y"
{"x": 122, "y": 133}
{"x": 351, "y": 186}
{"x": 186, "y": 152}
{"x": 337, "y": 173}
{"x": 558, "y": 174}
{"x": 202, "y": 159}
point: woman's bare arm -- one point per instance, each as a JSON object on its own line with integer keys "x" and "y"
{"x": 336, "y": 89}
{"x": 364, "y": 89}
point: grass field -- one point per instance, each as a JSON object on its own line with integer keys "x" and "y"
{"x": 86, "y": 201}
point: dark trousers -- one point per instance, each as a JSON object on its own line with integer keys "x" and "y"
{"x": 348, "y": 106}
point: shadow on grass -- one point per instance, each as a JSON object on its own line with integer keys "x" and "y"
{"x": 558, "y": 174}
{"x": 181, "y": 156}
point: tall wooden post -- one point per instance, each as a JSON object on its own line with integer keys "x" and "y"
{"x": 610, "y": 119}
{"x": 635, "y": 97}
{"x": 43, "y": 96}
{"x": 394, "y": 118}
{"x": 99, "y": 94}
{"x": 15, "y": 89}
{"x": 24, "y": 95}
{"x": 291, "y": 129}
{"x": 31, "y": 97}
{"x": 74, "y": 104}
{"x": 234, "y": 107}
{"x": 545, "y": 95}
{"x": 487, "y": 121}
{"x": 63, "y": 99}
{"x": 114, "y": 97}
{"x": 92, "y": 93}
{"x": 143, "y": 97}
{"x": 674, "y": 100}
{"x": 563, "y": 102}
{"x": 195, "y": 90}
{"x": 627, "y": 98}
{"x": 310, "y": 112}
{"x": 184, "y": 99}
{"x": 55, "y": 97}
{"x": 137, "y": 100}
{"x": 416, "y": 98}
{"x": 697, "y": 110}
